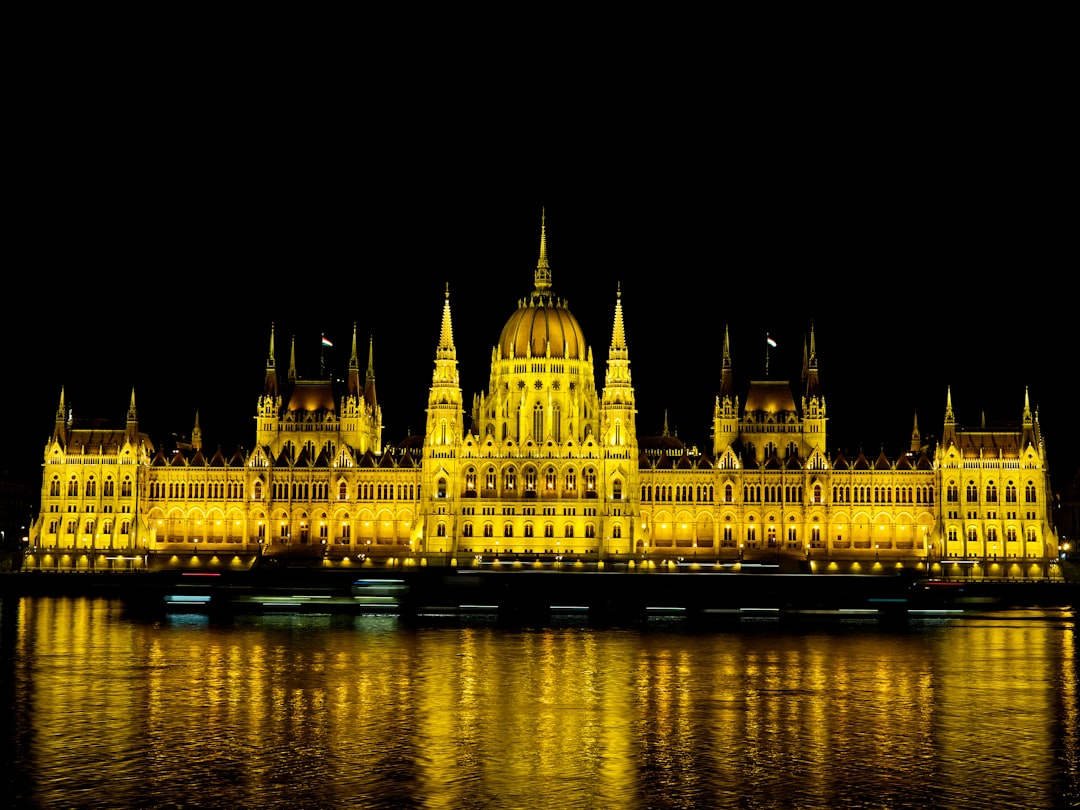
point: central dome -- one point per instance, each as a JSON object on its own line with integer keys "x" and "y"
{"x": 543, "y": 321}
{"x": 539, "y": 323}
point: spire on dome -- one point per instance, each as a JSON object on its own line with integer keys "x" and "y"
{"x": 543, "y": 270}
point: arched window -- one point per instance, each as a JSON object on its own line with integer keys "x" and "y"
{"x": 440, "y": 488}
{"x": 538, "y": 422}
{"x": 616, "y": 489}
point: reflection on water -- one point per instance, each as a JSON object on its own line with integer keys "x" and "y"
{"x": 358, "y": 712}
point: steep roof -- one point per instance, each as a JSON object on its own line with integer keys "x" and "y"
{"x": 771, "y": 396}
{"x": 311, "y": 395}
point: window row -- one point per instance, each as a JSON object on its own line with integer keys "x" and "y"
{"x": 971, "y": 493}
{"x": 108, "y": 488}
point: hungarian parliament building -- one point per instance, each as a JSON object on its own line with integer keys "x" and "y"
{"x": 545, "y": 466}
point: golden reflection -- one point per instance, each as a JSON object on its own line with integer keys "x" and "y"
{"x": 463, "y": 715}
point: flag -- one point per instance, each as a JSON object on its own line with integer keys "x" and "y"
{"x": 326, "y": 342}
{"x": 770, "y": 341}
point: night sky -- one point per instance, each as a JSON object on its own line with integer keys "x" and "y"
{"x": 924, "y": 259}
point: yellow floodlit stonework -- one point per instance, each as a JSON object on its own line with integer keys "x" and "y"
{"x": 544, "y": 466}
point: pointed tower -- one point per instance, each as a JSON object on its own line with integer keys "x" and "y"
{"x": 270, "y": 387}
{"x": 726, "y": 408}
{"x": 617, "y": 400}
{"x": 196, "y": 432}
{"x": 269, "y": 405}
{"x": 131, "y": 428}
{"x": 439, "y": 488}
{"x": 948, "y": 434}
{"x": 361, "y": 416}
{"x": 1029, "y": 434}
{"x": 353, "y": 387}
{"x": 61, "y": 426}
{"x": 618, "y": 433}
{"x": 813, "y": 404}
{"x": 916, "y": 437}
{"x": 369, "y": 378}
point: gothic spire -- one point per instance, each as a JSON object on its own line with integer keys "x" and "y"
{"x": 369, "y": 385}
{"x": 813, "y": 384}
{"x": 196, "y": 434}
{"x": 726, "y": 383}
{"x": 292, "y": 360}
{"x": 446, "y": 350}
{"x": 618, "y": 331}
{"x": 948, "y": 435}
{"x": 132, "y": 429}
{"x": 543, "y": 270}
{"x": 354, "y": 367}
{"x": 270, "y": 387}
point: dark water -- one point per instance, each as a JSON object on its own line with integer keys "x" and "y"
{"x": 107, "y": 711}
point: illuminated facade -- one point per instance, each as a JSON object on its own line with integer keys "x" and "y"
{"x": 547, "y": 467}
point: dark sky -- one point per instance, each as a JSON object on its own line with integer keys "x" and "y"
{"x": 926, "y": 254}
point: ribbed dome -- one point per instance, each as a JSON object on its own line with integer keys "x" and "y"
{"x": 535, "y": 324}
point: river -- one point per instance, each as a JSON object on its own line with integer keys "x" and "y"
{"x": 112, "y": 710}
